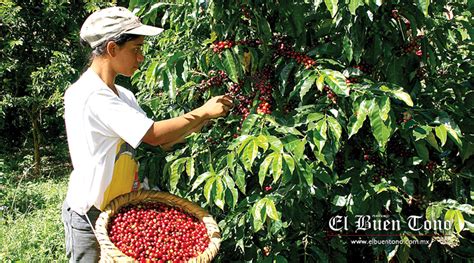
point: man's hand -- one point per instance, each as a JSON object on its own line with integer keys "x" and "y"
{"x": 217, "y": 106}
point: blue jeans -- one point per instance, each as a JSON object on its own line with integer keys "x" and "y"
{"x": 81, "y": 243}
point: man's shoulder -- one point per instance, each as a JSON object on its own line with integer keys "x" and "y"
{"x": 81, "y": 85}
{"x": 125, "y": 92}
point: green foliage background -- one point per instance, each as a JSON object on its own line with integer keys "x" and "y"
{"x": 395, "y": 142}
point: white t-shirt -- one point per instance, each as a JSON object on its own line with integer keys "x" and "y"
{"x": 103, "y": 130}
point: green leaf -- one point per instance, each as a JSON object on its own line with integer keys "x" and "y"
{"x": 231, "y": 186}
{"x": 403, "y": 96}
{"x": 258, "y": 216}
{"x": 295, "y": 146}
{"x": 253, "y": 60}
{"x": 337, "y": 82}
{"x": 262, "y": 142}
{"x": 259, "y": 205}
{"x": 230, "y": 66}
{"x": 456, "y": 217}
{"x": 384, "y": 105}
{"x": 449, "y": 215}
{"x": 432, "y": 141}
{"x": 319, "y": 130}
{"x": 231, "y": 160}
{"x": 208, "y": 189}
{"x": 423, "y": 5}
{"x": 307, "y": 172}
{"x": 271, "y": 209}
{"x": 211, "y": 39}
{"x": 275, "y": 143}
{"x": 240, "y": 178}
{"x": 339, "y": 200}
{"x": 354, "y": 4}
{"x": 249, "y": 123}
{"x": 151, "y": 72}
{"x": 320, "y": 82}
{"x": 264, "y": 28}
{"x": 383, "y": 188}
{"x": 289, "y": 162}
{"x": 458, "y": 221}
{"x": 347, "y": 45}
{"x": 306, "y": 85}
{"x": 249, "y": 154}
{"x": 277, "y": 166}
{"x": 422, "y": 151}
{"x": 264, "y": 168}
{"x": 454, "y": 134}
{"x": 380, "y": 129}
{"x": 288, "y": 130}
{"x": 244, "y": 143}
{"x": 171, "y": 83}
{"x": 433, "y": 212}
{"x": 331, "y": 6}
{"x": 200, "y": 179}
{"x": 284, "y": 74}
{"x": 356, "y": 121}
{"x": 190, "y": 168}
{"x": 315, "y": 116}
{"x": 219, "y": 197}
{"x": 177, "y": 168}
{"x": 421, "y": 132}
{"x": 335, "y": 127}
{"x": 442, "y": 134}
{"x": 280, "y": 259}
{"x": 323, "y": 175}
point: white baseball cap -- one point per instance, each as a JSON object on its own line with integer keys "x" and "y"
{"x": 111, "y": 22}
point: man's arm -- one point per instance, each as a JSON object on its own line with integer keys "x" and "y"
{"x": 182, "y": 139}
{"x": 175, "y": 129}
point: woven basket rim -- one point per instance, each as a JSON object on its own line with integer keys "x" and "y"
{"x": 110, "y": 253}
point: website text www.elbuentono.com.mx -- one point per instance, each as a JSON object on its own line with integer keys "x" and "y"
{"x": 374, "y": 241}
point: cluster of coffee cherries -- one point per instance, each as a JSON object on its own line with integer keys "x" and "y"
{"x": 414, "y": 46}
{"x": 431, "y": 166}
{"x": 268, "y": 188}
{"x": 215, "y": 140}
{"x": 421, "y": 73}
{"x": 399, "y": 148}
{"x": 290, "y": 106}
{"x": 406, "y": 117}
{"x": 266, "y": 250}
{"x": 219, "y": 46}
{"x": 330, "y": 94}
{"x": 245, "y": 11}
{"x": 155, "y": 232}
{"x": 284, "y": 50}
{"x": 216, "y": 79}
{"x": 364, "y": 67}
{"x": 351, "y": 80}
{"x": 249, "y": 42}
{"x": 420, "y": 201}
{"x": 264, "y": 87}
{"x": 242, "y": 108}
{"x": 380, "y": 168}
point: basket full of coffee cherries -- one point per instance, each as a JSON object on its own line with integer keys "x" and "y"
{"x": 151, "y": 226}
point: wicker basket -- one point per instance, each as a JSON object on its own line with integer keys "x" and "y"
{"x": 110, "y": 253}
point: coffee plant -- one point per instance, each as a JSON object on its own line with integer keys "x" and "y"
{"x": 342, "y": 108}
